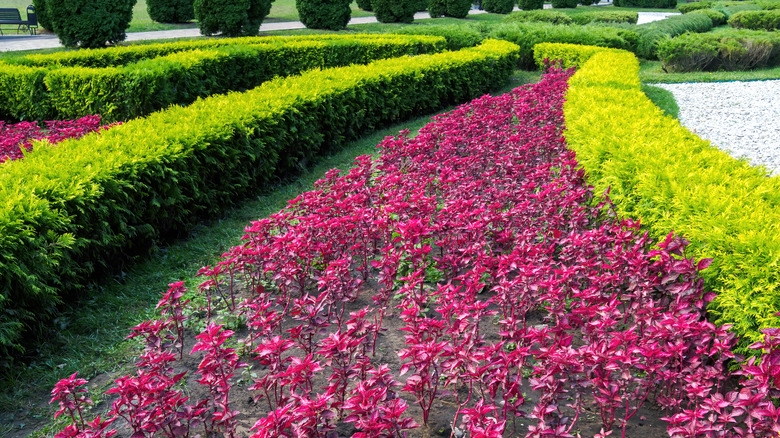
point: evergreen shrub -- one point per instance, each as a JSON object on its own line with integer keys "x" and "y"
{"x": 539, "y": 15}
{"x": 558, "y": 4}
{"x": 394, "y": 11}
{"x": 659, "y": 4}
{"x": 449, "y": 8}
{"x": 498, "y": 6}
{"x": 756, "y": 20}
{"x": 170, "y": 11}
{"x": 231, "y": 18}
{"x": 695, "y": 6}
{"x": 365, "y": 5}
{"x": 90, "y": 23}
{"x": 717, "y": 17}
{"x": 324, "y": 14}
{"x": 42, "y": 14}
{"x": 529, "y": 5}
{"x": 613, "y": 16}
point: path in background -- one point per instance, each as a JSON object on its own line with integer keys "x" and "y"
{"x": 49, "y": 41}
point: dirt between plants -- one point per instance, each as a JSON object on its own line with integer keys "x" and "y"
{"x": 646, "y": 423}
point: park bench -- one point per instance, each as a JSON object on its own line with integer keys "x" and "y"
{"x": 13, "y": 17}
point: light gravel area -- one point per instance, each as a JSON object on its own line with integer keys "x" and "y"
{"x": 740, "y": 118}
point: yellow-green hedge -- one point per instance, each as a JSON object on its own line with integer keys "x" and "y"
{"x": 659, "y": 172}
{"x": 160, "y": 75}
{"x": 70, "y": 210}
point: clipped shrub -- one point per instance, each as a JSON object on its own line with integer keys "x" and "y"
{"x": 540, "y": 15}
{"x": 90, "y": 23}
{"x": 527, "y": 35}
{"x": 651, "y": 34}
{"x": 658, "y": 170}
{"x": 570, "y": 55}
{"x": 530, "y": 5}
{"x": 734, "y": 50}
{"x": 170, "y": 11}
{"x": 449, "y": 8}
{"x": 394, "y": 11}
{"x": 767, "y": 4}
{"x": 42, "y": 14}
{"x": 365, "y": 5}
{"x": 694, "y": 6}
{"x": 75, "y": 209}
{"x": 629, "y": 17}
{"x": 660, "y": 4}
{"x": 498, "y": 6}
{"x": 324, "y": 14}
{"x": 231, "y": 18}
{"x": 729, "y": 10}
{"x": 756, "y": 20}
{"x": 564, "y": 3}
{"x": 457, "y": 36}
{"x": 718, "y": 18}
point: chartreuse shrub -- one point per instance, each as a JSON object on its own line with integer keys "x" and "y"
{"x": 498, "y": 6}
{"x": 394, "y": 11}
{"x": 69, "y": 211}
{"x": 527, "y": 35}
{"x": 728, "y": 50}
{"x": 170, "y": 11}
{"x": 324, "y": 14}
{"x": 139, "y": 88}
{"x": 89, "y": 23}
{"x": 650, "y": 34}
{"x": 570, "y": 55}
{"x": 231, "y": 18}
{"x": 767, "y": 4}
{"x": 756, "y": 20}
{"x": 694, "y": 6}
{"x": 673, "y": 180}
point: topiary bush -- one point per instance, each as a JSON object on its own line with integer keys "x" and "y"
{"x": 365, "y": 5}
{"x": 42, "y": 14}
{"x": 231, "y": 18}
{"x": 718, "y": 18}
{"x": 694, "y": 6}
{"x": 756, "y": 20}
{"x": 498, "y": 6}
{"x": 564, "y": 3}
{"x": 324, "y": 14}
{"x": 170, "y": 11}
{"x": 449, "y": 8}
{"x": 542, "y": 15}
{"x": 90, "y": 23}
{"x": 394, "y": 11}
{"x": 529, "y": 5}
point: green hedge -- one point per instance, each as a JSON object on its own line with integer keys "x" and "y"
{"x": 718, "y": 18}
{"x": 458, "y": 36}
{"x": 729, "y": 9}
{"x": 570, "y": 55}
{"x": 132, "y": 90}
{"x": 69, "y": 211}
{"x": 539, "y": 15}
{"x": 661, "y": 173}
{"x": 630, "y": 17}
{"x": 694, "y": 6}
{"x": 756, "y": 20}
{"x": 527, "y": 35}
{"x": 661, "y": 4}
{"x": 728, "y": 50}
{"x": 651, "y": 34}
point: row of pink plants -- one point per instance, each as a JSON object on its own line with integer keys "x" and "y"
{"x": 17, "y": 138}
{"x": 519, "y": 296}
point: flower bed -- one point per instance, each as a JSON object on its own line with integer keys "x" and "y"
{"x": 14, "y": 138}
{"x": 465, "y": 273}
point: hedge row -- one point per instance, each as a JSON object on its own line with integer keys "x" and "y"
{"x": 527, "y": 35}
{"x": 756, "y": 20}
{"x": 651, "y": 34}
{"x": 137, "y": 89}
{"x": 69, "y": 211}
{"x": 673, "y": 180}
{"x": 570, "y": 55}
{"x": 557, "y": 17}
{"x": 727, "y": 50}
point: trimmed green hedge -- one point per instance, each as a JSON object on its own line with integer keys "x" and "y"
{"x": 69, "y": 211}
{"x": 662, "y": 4}
{"x": 539, "y": 15}
{"x": 629, "y": 17}
{"x": 728, "y": 50}
{"x": 527, "y": 35}
{"x": 651, "y": 34}
{"x": 756, "y": 20}
{"x": 458, "y": 36}
{"x": 570, "y": 55}
{"x": 132, "y": 90}
{"x": 661, "y": 173}
{"x": 718, "y": 18}
{"x": 694, "y": 6}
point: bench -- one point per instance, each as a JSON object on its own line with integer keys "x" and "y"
{"x": 13, "y": 17}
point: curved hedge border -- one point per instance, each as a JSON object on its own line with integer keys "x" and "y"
{"x": 71, "y": 210}
{"x": 673, "y": 180}
{"x": 122, "y": 92}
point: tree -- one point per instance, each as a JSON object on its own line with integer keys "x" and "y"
{"x": 90, "y": 23}
{"x": 170, "y": 11}
{"x": 395, "y": 11}
{"x": 324, "y": 14}
{"x": 231, "y": 18}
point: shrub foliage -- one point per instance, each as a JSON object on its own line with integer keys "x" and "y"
{"x": 394, "y": 11}
{"x": 324, "y": 14}
{"x": 498, "y": 6}
{"x": 90, "y": 23}
{"x": 170, "y": 11}
{"x": 449, "y": 8}
{"x": 756, "y": 20}
{"x": 231, "y": 18}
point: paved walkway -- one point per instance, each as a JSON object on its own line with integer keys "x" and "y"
{"x": 49, "y": 41}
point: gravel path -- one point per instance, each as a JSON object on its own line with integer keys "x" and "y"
{"x": 741, "y": 118}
